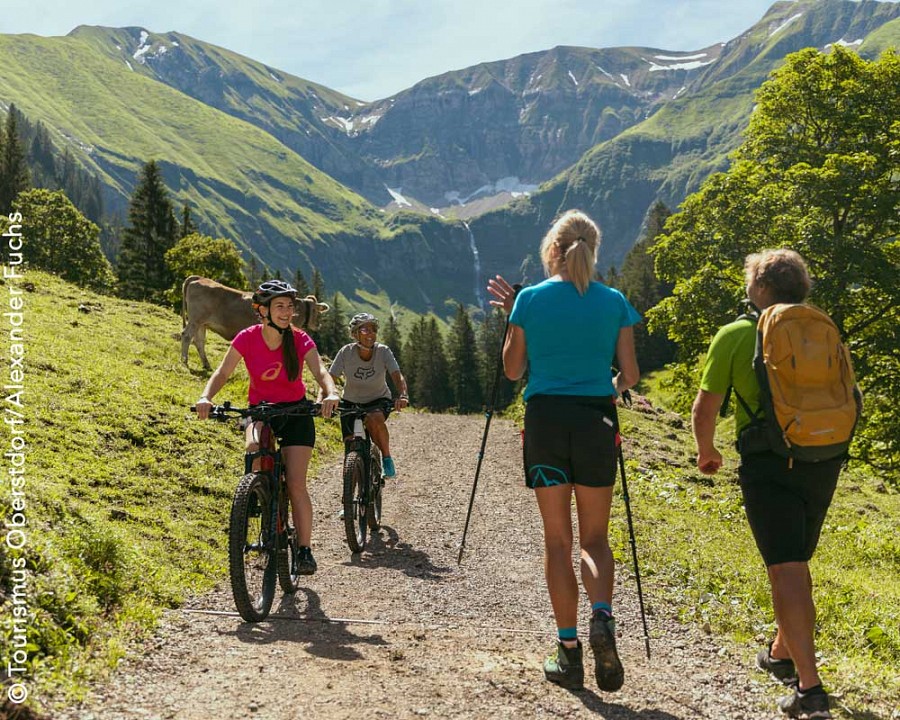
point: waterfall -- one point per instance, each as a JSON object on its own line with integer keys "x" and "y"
{"x": 479, "y": 290}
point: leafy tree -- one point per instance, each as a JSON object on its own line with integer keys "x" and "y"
{"x": 151, "y": 231}
{"x": 463, "y": 366}
{"x": 14, "y": 174}
{"x": 197, "y": 254}
{"x": 643, "y": 289}
{"x": 817, "y": 173}
{"x": 61, "y": 240}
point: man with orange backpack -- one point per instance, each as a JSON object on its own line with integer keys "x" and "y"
{"x": 797, "y": 409}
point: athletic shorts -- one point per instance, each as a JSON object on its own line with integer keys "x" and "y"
{"x": 570, "y": 439}
{"x": 786, "y": 507}
{"x": 348, "y": 420}
{"x": 295, "y": 430}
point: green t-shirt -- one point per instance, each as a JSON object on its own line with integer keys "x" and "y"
{"x": 729, "y": 363}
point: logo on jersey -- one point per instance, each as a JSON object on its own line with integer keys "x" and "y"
{"x": 364, "y": 373}
{"x": 272, "y": 372}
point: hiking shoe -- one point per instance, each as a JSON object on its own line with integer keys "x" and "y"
{"x": 304, "y": 562}
{"x": 806, "y": 706}
{"x": 564, "y": 667}
{"x": 782, "y": 670}
{"x": 608, "y": 669}
{"x": 387, "y": 464}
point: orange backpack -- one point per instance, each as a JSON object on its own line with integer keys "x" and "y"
{"x": 809, "y": 401}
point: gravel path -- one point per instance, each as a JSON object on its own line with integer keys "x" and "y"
{"x": 403, "y": 632}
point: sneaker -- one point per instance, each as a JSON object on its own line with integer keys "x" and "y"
{"x": 782, "y": 670}
{"x": 387, "y": 464}
{"x": 304, "y": 562}
{"x": 806, "y": 706}
{"x": 564, "y": 667}
{"x": 608, "y": 669}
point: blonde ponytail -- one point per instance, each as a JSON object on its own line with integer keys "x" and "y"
{"x": 572, "y": 243}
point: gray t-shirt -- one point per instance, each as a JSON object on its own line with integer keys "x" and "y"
{"x": 365, "y": 380}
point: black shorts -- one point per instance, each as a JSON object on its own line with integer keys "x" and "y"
{"x": 570, "y": 439}
{"x": 295, "y": 430}
{"x": 786, "y": 507}
{"x": 347, "y": 421}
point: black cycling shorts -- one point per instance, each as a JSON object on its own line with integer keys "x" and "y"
{"x": 348, "y": 420}
{"x": 570, "y": 439}
{"x": 786, "y": 507}
{"x": 295, "y": 430}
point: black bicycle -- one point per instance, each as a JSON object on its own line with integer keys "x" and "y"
{"x": 262, "y": 539}
{"x": 363, "y": 478}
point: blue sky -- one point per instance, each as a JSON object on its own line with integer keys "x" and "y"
{"x": 372, "y": 49}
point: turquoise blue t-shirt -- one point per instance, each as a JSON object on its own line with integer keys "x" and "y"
{"x": 571, "y": 338}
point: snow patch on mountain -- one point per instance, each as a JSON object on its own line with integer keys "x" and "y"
{"x": 398, "y": 197}
{"x": 786, "y": 23}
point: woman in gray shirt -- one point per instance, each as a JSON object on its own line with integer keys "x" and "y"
{"x": 365, "y": 364}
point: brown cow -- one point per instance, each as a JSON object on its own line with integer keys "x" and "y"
{"x": 226, "y": 311}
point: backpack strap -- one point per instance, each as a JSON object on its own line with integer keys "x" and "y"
{"x": 751, "y": 314}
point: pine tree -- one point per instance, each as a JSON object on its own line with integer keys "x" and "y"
{"x": 411, "y": 352}
{"x": 318, "y": 284}
{"x": 490, "y": 340}
{"x": 300, "y": 283}
{"x": 462, "y": 359}
{"x": 392, "y": 337}
{"x": 432, "y": 381}
{"x": 254, "y": 273}
{"x": 332, "y": 333}
{"x": 14, "y": 175}
{"x": 151, "y": 231}
{"x": 187, "y": 226}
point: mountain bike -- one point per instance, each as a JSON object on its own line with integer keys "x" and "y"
{"x": 363, "y": 479}
{"x": 262, "y": 539}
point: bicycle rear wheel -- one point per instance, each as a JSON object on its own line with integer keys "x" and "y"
{"x": 251, "y": 547}
{"x": 287, "y": 546}
{"x": 373, "y": 510}
{"x": 355, "y": 500}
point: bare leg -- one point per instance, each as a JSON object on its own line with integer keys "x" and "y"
{"x": 597, "y": 566}
{"x": 795, "y": 613}
{"x": 378, "y": 430}
{"x": 296, "y": 459}
{"x": 555, "y": 505}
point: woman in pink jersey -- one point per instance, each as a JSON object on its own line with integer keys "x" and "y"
{"x": 274, "y": 352}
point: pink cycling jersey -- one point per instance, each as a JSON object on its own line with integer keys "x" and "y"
{"x": 268, "y": 378}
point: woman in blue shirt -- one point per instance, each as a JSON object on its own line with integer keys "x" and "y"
{"x": 567, "y": 331}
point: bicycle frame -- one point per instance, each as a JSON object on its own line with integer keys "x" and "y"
{"x": 271, "y": 463}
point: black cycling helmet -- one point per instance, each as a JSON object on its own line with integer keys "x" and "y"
{"x": 272, "y": 289}
{"x": 360, "y": 319}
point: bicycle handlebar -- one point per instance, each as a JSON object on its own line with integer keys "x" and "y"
{"x": 263, "y": 411}
{"x": 360, "y": 410}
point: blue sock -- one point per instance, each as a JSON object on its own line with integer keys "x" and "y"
{"x": 569, "y": 633}
{"x": 602, "y": 607}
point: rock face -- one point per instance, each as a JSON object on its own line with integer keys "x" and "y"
{"x": 610, "y": 131}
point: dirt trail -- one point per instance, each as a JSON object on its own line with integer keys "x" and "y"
{"x": 402, "y": 632}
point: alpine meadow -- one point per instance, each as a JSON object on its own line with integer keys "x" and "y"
{"x": 132, "y": 159}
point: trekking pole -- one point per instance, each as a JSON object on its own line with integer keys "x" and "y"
{"x": 637, "y": 572}
{"x": 489, "y": 413}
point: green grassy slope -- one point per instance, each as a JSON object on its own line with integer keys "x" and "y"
{"x": 127, "y": 493}
{"x": 122, "y": 119}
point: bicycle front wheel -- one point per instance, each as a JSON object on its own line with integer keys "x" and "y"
{"x": 251, "y": 547}
{"x": 373, "y": 510}
{"x": 355, "y": 500}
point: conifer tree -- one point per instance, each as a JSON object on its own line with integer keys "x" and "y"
{"x": 151, "y": 231}
{"x": 411, "y": 352}
{"x": 490, "y": 340}
{"x": 187, "y": 227}
{"x": 300, "y": 283}
{"x": 332, "y": 333}
{"x": 14, "y": 175}
{"x": 392, "y": 337}
{"x": 318, "y": 284}
{"x": 254, "y": 273}
{"x": 432, "y": 380}
{"x": 463, "y": 366}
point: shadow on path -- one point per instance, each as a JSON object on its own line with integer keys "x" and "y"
{"x": 306, "y": 623}
{"x": 385, "y": 550}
